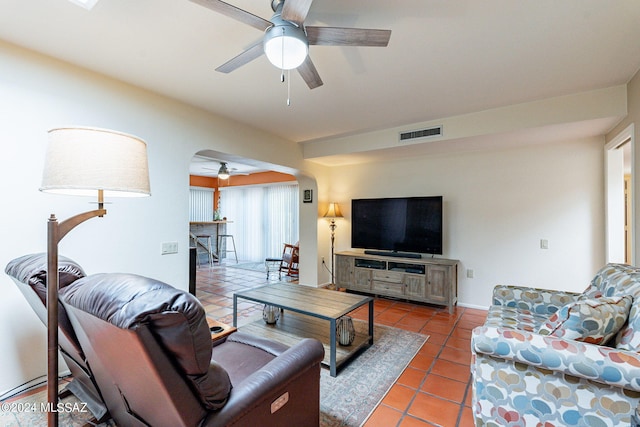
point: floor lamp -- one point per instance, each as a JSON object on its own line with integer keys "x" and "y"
{"x": 85, "y": 162}
{"x": 332, "y": 213}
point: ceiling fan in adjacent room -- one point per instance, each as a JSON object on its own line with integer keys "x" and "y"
{"x": 286, "y": 39}
{"x": 224, "y": 171}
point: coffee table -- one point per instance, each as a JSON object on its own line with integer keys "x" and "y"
{"x": 323, "y": 304}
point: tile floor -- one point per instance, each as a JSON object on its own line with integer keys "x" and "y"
{"x": 434, "y": 390}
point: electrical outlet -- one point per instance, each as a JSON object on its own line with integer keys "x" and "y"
{"x": 169, "y": 248}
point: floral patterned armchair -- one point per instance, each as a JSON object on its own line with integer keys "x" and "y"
{"x": 549, "y": 358}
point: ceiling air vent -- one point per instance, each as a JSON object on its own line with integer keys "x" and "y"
{"x": 421, "y": 134}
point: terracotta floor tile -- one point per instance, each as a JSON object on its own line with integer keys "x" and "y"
{"x": 476, "y": 312}
{"x": 412, "y": 377}
{"x": 458, "y": 343}
{"x": 414, "y": 422}
{"x": 422, "y": 362}
{"x": 360, "y": 315}
{"x": 399, "y": 307}
{"x": 406, "y": 306}
{"x": 428, "y": 310}
{"x": 466, "y": 418}
{"x": 390, "y": 315}
{"x": 435, "y": 338}
{"x": 445, "y": 388}
{"x": 470, "y": 324}
{"x": 456, "y": 355}
{"x": 448, "y": 369}
{"x": 399, "y": 397}
{"x": 410, "y": 321}
{"x": 383, "y": 416}
{"x": 437, "y": 328}
{"x": 382, "y": 304}
{"x": 417, "y": 316}
{"x": 385, "y": 322}
{"x": 435, "y": 410}
{"x": 430, "y": 349}
{"x": 468, "y": 401}
{"x": 464, "y": 334}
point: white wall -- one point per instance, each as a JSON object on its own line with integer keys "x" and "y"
{"x": 39, "y": 93}
{"x": 498, "y": 205}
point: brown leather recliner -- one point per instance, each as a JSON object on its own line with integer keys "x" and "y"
{"x": 151, "y": 351}
{"x": 29, "y": 272}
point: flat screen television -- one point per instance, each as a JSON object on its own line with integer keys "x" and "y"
{"x": 401, "y": 224}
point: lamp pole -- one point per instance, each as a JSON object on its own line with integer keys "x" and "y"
{"x": 55, "y": 233}
{"x": 332, "y": 226}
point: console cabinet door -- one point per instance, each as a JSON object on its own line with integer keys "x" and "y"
{"x": 344, "y": 271}
{"x": 414, "y": 286}
{"x": 362, "y": 279}
{"x": 438, "y": 284}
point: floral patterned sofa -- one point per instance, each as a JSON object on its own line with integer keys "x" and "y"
{"x": 550, "y": 358}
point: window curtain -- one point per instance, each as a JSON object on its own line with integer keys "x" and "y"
{"x": 263, "y": 218}
{"x": 200, "y": 204}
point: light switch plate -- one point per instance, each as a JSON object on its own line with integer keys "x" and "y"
{"x": 169, "y": 248}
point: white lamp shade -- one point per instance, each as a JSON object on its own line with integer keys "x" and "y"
{"x": 81, "y": 160}
{"x": 287, "y": 41}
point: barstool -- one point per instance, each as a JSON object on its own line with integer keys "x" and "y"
{"x": 233, "y": 242}
{"x": 273, "y": 264}
{"x": 206, "y": 245}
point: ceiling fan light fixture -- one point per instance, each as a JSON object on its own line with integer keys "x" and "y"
{"x": 223, "y": 172}
{"x": 286, "y": 46}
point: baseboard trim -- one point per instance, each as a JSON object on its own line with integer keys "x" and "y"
{"x": 478, "y": 307}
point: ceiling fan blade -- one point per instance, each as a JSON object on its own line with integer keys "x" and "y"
{"x": 253, "y": 52}
{"x": 309, "y": 74}
{"x": 235, "y": 13}
{"x": 296, "y": 10}
{"x": 336, "y": 36}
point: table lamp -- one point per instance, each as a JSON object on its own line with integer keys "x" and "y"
{"x": 84, "y": 161}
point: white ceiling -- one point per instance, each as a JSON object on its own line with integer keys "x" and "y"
{"x": 445, "y": 57}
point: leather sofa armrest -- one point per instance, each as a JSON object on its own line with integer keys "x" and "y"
{"x": 535, "y": 300}
{"x": 272, "y": 347}
{"x": 619, "y": 368}
{"x": 266, "y": 384}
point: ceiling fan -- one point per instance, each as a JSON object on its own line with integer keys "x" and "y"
{"x": 224, "y": 171}
{"x": 286, "y": 40}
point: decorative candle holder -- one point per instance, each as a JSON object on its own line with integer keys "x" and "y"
{"x": 345, "y": 331}
{"x": 270, "y": 314}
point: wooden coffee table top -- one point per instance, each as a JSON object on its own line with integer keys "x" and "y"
{"x": 321, "y": 303}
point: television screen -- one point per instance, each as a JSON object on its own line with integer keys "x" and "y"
{"x": 403, "y": 224}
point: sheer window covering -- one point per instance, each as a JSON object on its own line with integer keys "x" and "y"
{"x": 263, "y": 218}
{"x": 200, "y": 204}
